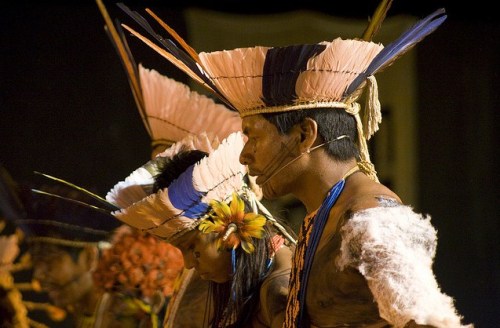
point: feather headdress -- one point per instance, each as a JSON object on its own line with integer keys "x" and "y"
{"x": 329, "y": 74}
{"x": 174, "y": 210}
{"x": 169, "y": 109}
{"x": 59, "y": 214}
{"x": 139, "y": 184}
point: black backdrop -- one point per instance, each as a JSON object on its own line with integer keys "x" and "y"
{"x": 67, "y": 110}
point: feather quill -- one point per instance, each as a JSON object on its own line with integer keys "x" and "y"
{"x": 83, "y": 190}
{"x": 74, "y": 201}
{"x": 404, "y": 43}
{"x": 176, "y": 36}
{"x": 118, "y": 40}
{"x": 209, "y": 86}
{"x": 377, "y": 19}
{"x": 170, "y": 46}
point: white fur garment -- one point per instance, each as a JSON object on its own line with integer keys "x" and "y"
{"x": 394, "y": 248}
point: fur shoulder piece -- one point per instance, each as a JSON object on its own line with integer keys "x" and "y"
{"x": 394, "y": 248}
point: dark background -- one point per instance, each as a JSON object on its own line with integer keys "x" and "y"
{"x": 66, "y": 109}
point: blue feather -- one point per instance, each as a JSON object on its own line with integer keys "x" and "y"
{"x": 397, "y": 48}
{"x": 185, "y": 197}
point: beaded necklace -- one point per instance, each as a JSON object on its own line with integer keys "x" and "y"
{"x": 308, "y": 240}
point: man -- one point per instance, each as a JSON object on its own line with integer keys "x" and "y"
{"x": 64, "y": 239}
{"x": 363, "y": 258}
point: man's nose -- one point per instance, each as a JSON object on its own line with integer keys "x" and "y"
{"x": 244, "y": 156}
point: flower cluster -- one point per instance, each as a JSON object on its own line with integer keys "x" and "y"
{"x": 138, "y": 264}
{"x": 234, "y": 226}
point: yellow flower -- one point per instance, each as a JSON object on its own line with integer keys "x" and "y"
{"x": 234, "y": 226}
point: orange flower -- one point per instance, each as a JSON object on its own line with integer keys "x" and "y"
{"x": 138, "y": 264}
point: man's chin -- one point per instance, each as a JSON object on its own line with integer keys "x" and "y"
{"x": 268, "y": 192}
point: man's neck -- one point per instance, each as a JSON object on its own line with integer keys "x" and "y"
{"x": 318, "y": 180}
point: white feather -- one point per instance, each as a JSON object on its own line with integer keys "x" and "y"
{"x": 221, "y": 173}
{"x": 130, "y": 190}
{"x": 330, "y": 73}
{"x": 174, "y": 111}
{"x": 237, "y": 74}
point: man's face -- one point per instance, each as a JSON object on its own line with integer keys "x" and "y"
{"x": 65, "y": 280}
{"x": 200, "y": 252}
{"x": 266, "y": 153}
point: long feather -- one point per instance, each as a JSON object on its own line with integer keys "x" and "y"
{"x": 167, "y": 55}
{"x": 118, "y": 40}
{"x": 176, "y": 36}
{"x": 376, "y": 20}
{"x": 188, "y": 61}
{"x": 74, "y": 201}
{"x": 180, "y": 65}
{"x": 83, "y": 190}
{"x": 166, "y": 43}
{"x": 404, "y": 43}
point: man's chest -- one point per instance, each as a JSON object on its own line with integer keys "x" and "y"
{"x": 337, "y": 296}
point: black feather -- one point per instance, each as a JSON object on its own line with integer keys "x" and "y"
{"x": 177, "y": 52}
{"x": 282, "y": 67}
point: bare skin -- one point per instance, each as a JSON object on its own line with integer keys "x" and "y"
{"x": 283, "y": 165}
{"x": 274, "y": 292}
{"x": 200, "y": 252}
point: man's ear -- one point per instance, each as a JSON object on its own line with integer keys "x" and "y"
{"x": 308, "y": 130}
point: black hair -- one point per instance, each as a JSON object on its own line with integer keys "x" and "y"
{"x": 242, "y": 292}
{"x": 332, "y": 123}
